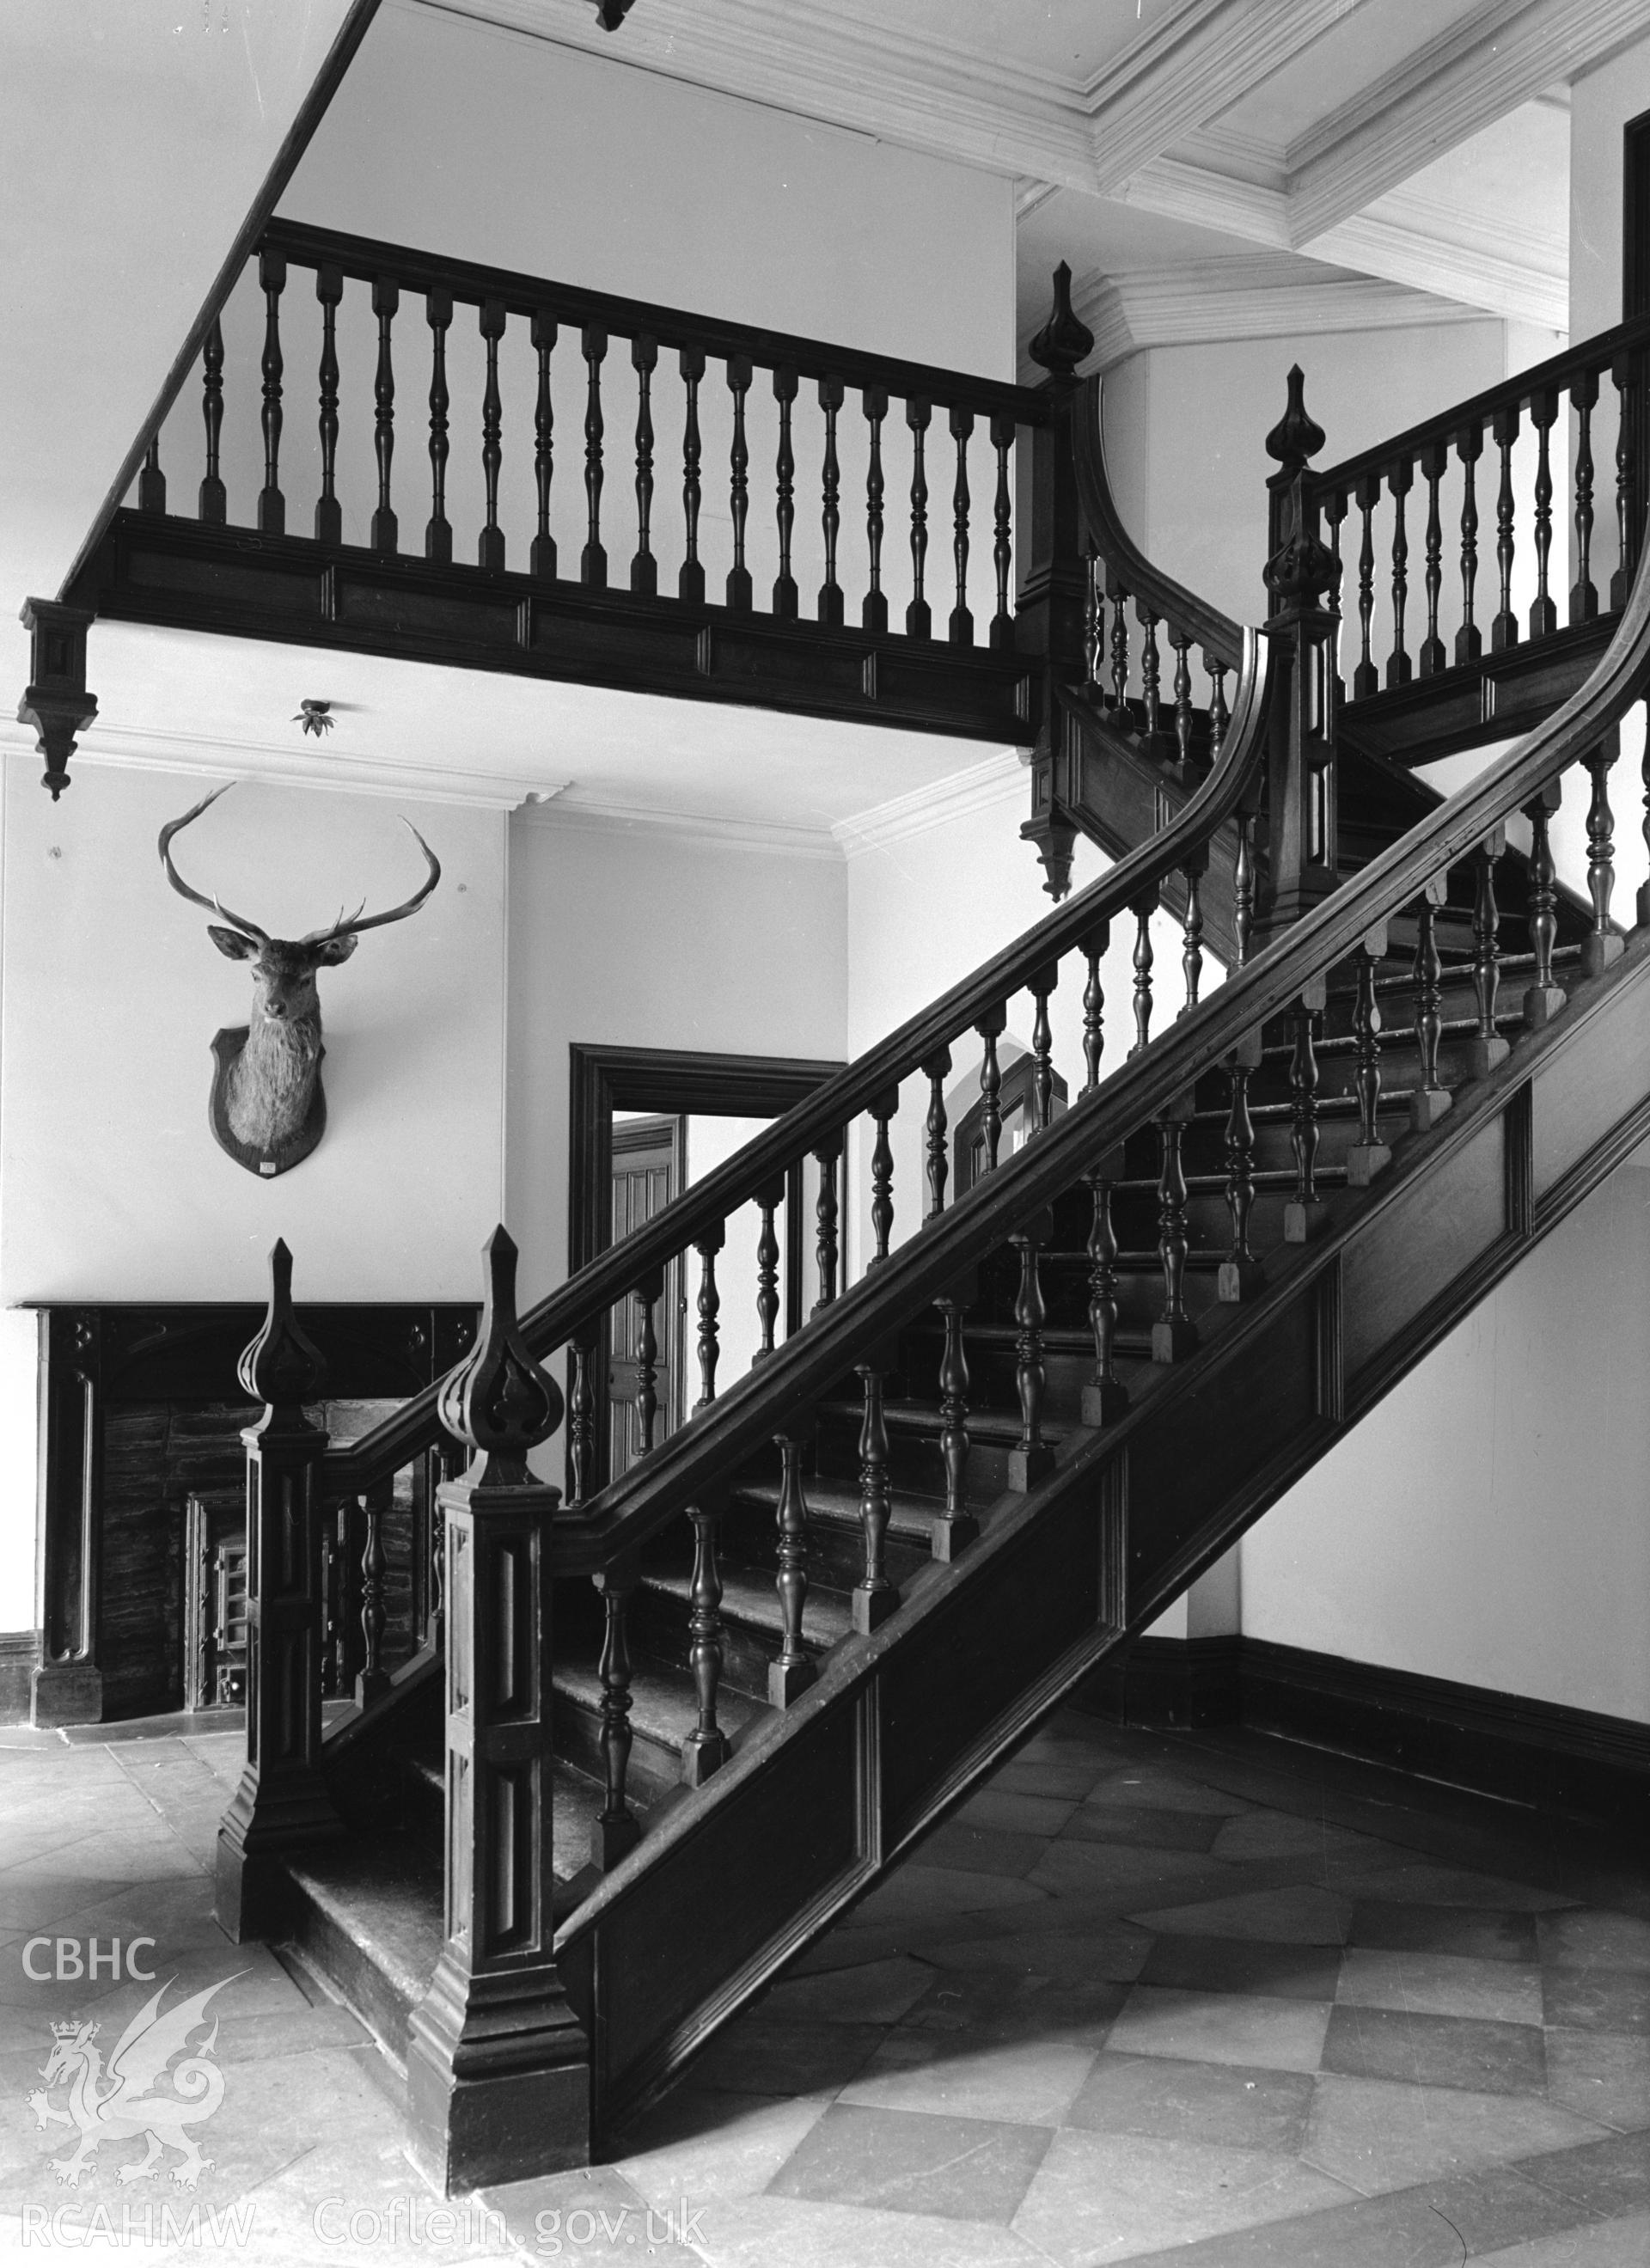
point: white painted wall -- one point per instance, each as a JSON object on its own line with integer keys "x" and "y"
{"x": 1486, "y": 1522}
{"x": 1601, "y": 101}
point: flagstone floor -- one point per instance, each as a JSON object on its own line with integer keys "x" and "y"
{"x": 1206, "y": 1998}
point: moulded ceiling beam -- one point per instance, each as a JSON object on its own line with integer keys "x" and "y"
{"x": 1443, "y": 94}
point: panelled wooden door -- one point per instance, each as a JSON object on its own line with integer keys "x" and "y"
{"x": 649, "y": 1157}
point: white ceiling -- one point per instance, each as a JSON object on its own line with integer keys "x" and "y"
{"x": 1200, "y": 163}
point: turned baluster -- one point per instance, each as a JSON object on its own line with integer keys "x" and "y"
{"x": 874, "y": 611}
{"x": 831, "y": 395}
{"x": 1626, "y": 372}
{"x": 328, "y": 515}
{"x": 644, "y": 566}
{"x": 271, "y": 502}
{"x": 825, "y": 1214}
{"x": 346, "y": 1574}
{"x": 1151, "y": 670}
{"x": 438, "y": 529}
{"x": 1305, "y": 1211}
{"x": 1545, "y": 996}
{"x": 1094, "y": 948}
{"x": 1600, "y": 945}
{"x": 616, "y": 1830}
{"x": 1398, "y": 481}
{"x": 1431, "y": 1098}
{"x": 1041, "y": 985}
{"x": 1487, "y": 1048}
{"x": 1367, "y": 676}
{"x": 490, "y": 550}
{"x": 1143, "y": 908}
{"x": 793, "y": 1672}
{"x": 918, "y": 617}
{"x": 1093, "y": 619}
{"x": 1182, "y": 645}
{"x": 709, "y": 1305}
{"x": 990, "y": 1029}
{"x": 1239, "y": 1274}
{"x": 646, "y": 1295}
{"x": 1435, "y": 463}
{"x": 1002, "y": 432}
{"x": 1173, "y": 1334}
{"x": 691, "y": 579}
{"x": 706, "y": 1748}
{"x": 955, "y": 1526}
{"x": 1191, "y": 930}
{"x": 1243, "y": 882}
{"x": 151, "y": 481}
{"x": 785, "y": 384}
{"x": 875, "y": 1597}
{"x": 768, "y": 1201}
{"x": 386, "y": 300}
{"x": 374, "y": 1678}
{"x": 1031, "y": 1457}
{"x": 961, "y": 626}
{"x": 592, "y": 564}
{"x": 1544, "y": 409}
{"x": 883, "y": 1109}
{"x": 543, "y": 332}
{"x": 1105, "y": 1396}
{"x": 936, "y": 1070}
{"x": 581, "y": 1420}
{"x": 1504, "y": 628}
{"x": 213, "y": 501}
{"x": 1334, "y": 518}
{"x": 1119, "y": 641}
{"x": 1583, "y": 397}
{"x": 1468, "y": 448}
{"x": 1368, "y": 1154}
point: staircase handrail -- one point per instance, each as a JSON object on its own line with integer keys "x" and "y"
{"x": 1220, "y": 637}
{"x": 762, "y": 1161}
{"x": 769, "y": 1400}
{"x": 1597, "y": 353}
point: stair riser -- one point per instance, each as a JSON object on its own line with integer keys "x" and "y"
{"x": 660, "y": 1634}
{"x": 836, "y": 1547}
{"x": 351, "y": 1973}
{"x": 655, "y": 1766}
{"x": 915, "y": 1465}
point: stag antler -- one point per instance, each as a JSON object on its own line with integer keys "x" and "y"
{"x": 213, "y": 905}
{"x": 351, "y": 926}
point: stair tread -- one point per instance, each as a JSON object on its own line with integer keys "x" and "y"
{"x": 999, "y": 1426}
{"x": 910, "y": 1517}
{"x": 664, "y": 1705}
{"x": 749, "y": 1597}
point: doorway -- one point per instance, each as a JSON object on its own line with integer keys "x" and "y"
{"x": 644, "y": 1124}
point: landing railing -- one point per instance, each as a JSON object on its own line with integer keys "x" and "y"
{"x": 507, "y": 472}
{"x": 1491, "y": 536}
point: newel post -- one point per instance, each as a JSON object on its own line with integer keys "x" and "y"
{"x": 282, "y": 1802}
{"x": 1052, "y": 619}
{"x": 498, "y": 2067}
{"x": 1300, "y": 573}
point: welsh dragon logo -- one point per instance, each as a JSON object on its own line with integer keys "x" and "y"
{"x": 117, "y": 2104}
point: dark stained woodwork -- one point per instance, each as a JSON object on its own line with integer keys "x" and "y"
{"x": 617, "y": 1830}
{"x": 792, "y": 1672}
{"x": 706, "y": 1748}
{"x": 437, "y": 527}
{"x": 386, "y": 300}
{"x": 271, "y": 502}
{"x": 644, "y": 566}
{"x": 875, "y": 1596}
{"x": 491, "y": 544}
{"x": 329, "y": 514}
{"x": 593, "y": 560}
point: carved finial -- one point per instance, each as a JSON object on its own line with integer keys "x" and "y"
{"x": 283, "y": 1367}
{"x": 498, "y": 1400}
{"x": 1063, "y": 342}
{"x": 1295, "y": 437}
{"x": 56, "y": 700}
{"x": 611, "y": 13}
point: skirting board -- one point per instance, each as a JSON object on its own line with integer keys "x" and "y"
{"x": 1539, "y": 1753}
{"x": 20, "y": 1651}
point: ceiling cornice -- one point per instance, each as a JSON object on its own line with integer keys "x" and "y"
{"x": 214, "y": 756}
{"x": 1477, "y": 71}
{"x": 570, "y": 813}
{"x": 994, "y": 783}
{"x": 1265, "y": 296}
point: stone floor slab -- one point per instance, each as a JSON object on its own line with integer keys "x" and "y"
{"x": 1377, "y": 2135}
{"x": 1240, "y": 2028}
{"x": 1030, "y": 2083}
{"x": 1440, "y": 1984}
{"x": 959, "y": 2169}
{"x": 1243, "y": 2105}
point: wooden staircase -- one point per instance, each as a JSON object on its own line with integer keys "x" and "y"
{"x": 663, "y": 1733}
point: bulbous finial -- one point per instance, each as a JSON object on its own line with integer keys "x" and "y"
{"x": 1295, "y": 437}
{"x": 283, "y": 1367}
{"x": 1063, "y": 342}
{"x": 498, "y": 1399}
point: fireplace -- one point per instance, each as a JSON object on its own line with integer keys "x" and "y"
{"x": 144, "y": 1491}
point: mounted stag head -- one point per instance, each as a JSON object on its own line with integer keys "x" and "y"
{"x": 268, "y": 1110}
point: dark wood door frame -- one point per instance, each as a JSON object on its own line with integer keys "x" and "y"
{"x": 1635, "y": 289}
{"x": 678, "y": 1082}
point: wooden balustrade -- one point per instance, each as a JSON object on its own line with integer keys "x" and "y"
{"x": 1508, "y": 431}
